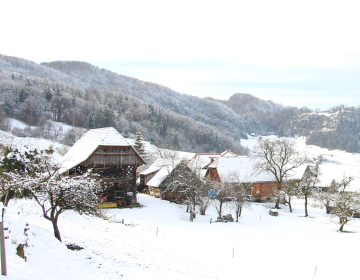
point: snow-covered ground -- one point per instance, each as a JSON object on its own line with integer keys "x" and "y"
{"x": 8, "y": 139}
{"x": 158, "y": 242}
{"x": 13, "y": 123}
{"x": 336, "y": 164}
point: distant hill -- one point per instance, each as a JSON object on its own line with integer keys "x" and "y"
{"x": 84, "y": 95}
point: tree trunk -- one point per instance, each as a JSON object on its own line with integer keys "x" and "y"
{"x": 342, "y": 225}
{"x": 290, "y": 204}
{"x": 134, "y": 200}
{"x": 56, "y": 229}
{"x": 327, "y": 209}
{"x": 277, "y": 204}
{"x": 306, "y": 210}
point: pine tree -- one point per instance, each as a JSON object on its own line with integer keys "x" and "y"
{"x": 47, "y": 93}
{"x": 91, "y": 123}
{"x": 176, "y": 143}
{"x": 108, "y": 117}
{"x": 138, "y": 144}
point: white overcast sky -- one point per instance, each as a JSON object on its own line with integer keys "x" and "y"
{"x": 299, "y": 53}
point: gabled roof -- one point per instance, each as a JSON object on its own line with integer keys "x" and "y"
{"x": 228, "y": 153}
{"x": 241, "y": 169}
{"x": 200, "y": 161}
{"x": 164, "y": 167}
{"x": 88, "y": 143}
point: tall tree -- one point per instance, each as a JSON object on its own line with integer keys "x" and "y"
{"x": 278, "y": 157}
{"x": 57, "y": 103}
{"x": 309, "y": 184}
{"x": 139, "y": 145}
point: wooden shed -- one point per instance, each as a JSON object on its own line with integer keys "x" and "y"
{"x": 107, "y": 153}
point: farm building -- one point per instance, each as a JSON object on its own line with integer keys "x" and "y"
{"x": 108, "y": 154}
{"x": 162, "y": 173}
{"x": 237, "y": 170}
{"x": 199, "y": 162}
{"x": 153, "y": 178}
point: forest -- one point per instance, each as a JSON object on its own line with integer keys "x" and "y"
{"x": 83, "y": 95}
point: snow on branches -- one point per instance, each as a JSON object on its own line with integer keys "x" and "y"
{"x": 33, "y": 173}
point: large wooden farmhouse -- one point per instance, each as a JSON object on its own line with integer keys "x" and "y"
{"x": 107, "y": 153}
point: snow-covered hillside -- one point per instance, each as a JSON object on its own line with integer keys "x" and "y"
{"x": 335, "y": 163}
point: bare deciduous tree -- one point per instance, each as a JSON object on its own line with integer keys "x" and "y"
{"x": 187, "y": 188}
{"x": 344, "y": 204}
{"x": 223, "y": 195}
{"x": 278, "y": 157}
{"x": 291, "y": 189}
{"x": 309, "y": 184}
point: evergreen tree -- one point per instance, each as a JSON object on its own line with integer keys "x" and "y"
{"x": 57, "y": 103}
{"x": 138, "y": 144}
{"x": 176, "y": 143}
{"x": 107, "y": 119}
{"x": 22, "y": 96}
{"x": 91, "y": 123}
{"x": 47, "y": 94}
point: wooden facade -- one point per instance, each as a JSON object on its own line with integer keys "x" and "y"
{"x": 109, "y": 155}
{"x": 116, "y": 166}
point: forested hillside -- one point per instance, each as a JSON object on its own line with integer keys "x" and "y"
{"x": 84, "y": 95}
{"x": 92, "y": 97}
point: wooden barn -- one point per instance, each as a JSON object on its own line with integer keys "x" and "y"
{"x": 107, "y": 153}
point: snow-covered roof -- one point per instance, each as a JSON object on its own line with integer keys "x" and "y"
{"x": 164, "y": 166}
{"x": 88, "y": 143}
{"x": 202, "y": 160}
{"x": 241, "y": 169}
{"x": 228, "y": 154}
{"x": 333, "y": 171}
{"x": 298, "y": 173}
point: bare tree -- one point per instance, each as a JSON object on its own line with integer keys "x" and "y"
{"x": 239, "y": 193}
{"x": 240, "y": 197}
{"x": 204, "y": 199}
{"x": 309, "y": 184}
{"x": 291, "y": 189}
{"x": 223, "y": 195}
{"x": 345, "y": 205}
{"x": 278, "y": 157}
{"x": 187, "y": 188}
{"x": 326, "y": 195}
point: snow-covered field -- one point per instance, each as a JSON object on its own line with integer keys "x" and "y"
{"x": 336, "y": 164}
{"x": 158, "y": 242}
